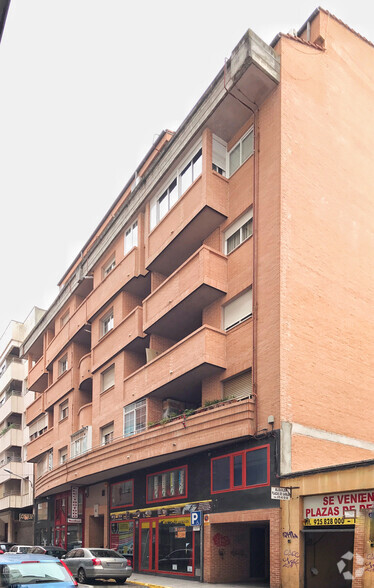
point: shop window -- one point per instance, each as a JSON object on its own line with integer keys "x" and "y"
{"x": 184, "y": 176}
{"x": 62, "y": 365}
{"x": 107, "y": 434}
{"x": 241, "y": 151}
{"x": 106, "y": 323}
{"x": 131, "y": 237}
{"x": 239, "y": 232}
{"x": 107, "y": 378}
{"x": 122, "y": 493}
{"x": 237, "y": 310}
{"x": 167, "y": 485}
{"x": 177, "y": 541}
{"x": 122, "y": 537}
{"x": 135, "y": 418}
{"x": 64, "y": 410}
{"x": 108, "y": 266}
{"x": 238, "y": 471}
{"x": 42, "y": 511}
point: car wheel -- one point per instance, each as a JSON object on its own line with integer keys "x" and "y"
{"x": 82, "y": 578}
{"x": 120, "y": 580}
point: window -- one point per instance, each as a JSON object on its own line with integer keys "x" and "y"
{"x": 238, "y": 387}
{"x": 122, "y": 493}
{"x": 107, "y": 434}
{"x": 42, "y": 511}
{"x": 238, "y": 310}
{"x": 107, "y": 378}
{"x": 63, "y": 455}
{"x": 135, "y": 417}
{"x": 240, "y": 153}
{"x": 107, "y": 268}
{"x": 219, "y": 156}
{"x": 239, "y": 232}
{"x": 64, "y": 319}
{"x": 131, "y": 237}
{"x": 237, "y": 471}
{"x": 63, "y": 365}
{"x": 64, "y": 409}
{"x": 167, "y": 485}
{"x": 184, "y": 177}
{"x": 50, "y": 459}
{"x": 106, "y": 323}
{"x": 38, "y": 427}
{"x": 81, "y": 441}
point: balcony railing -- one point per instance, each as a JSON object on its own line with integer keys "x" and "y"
{"x": 37, "y": 378}
{"x": 40, "y": 445}
{"x": 224, "y": 421}
{"x": 176, "y": 304}
{"x": 200, "y": 355}
{"x": 35, "y": 409}
{"x": 58, "y": 389}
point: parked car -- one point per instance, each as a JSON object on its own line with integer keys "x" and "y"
{"x": 4, "y": 547}
{"x": 94, "y": 563}
{"x": 25, "y": 570}
{"x": 21, "y": 548}
{"x": 178, "y": 560}
{"x": 49, "y": 550}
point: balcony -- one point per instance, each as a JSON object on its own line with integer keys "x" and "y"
{"x": 14, "y": 404}
{"x": 126, "y": 273}
{"x": 197, "y": 213}
{"x": 16, "y": 370}
{"x": 40, "y": 445}
{"x": 37, "y": 378}
{"x": 230, "y": 420}
{"x": 11, "y": 501}
{"x": 85, "y": 373}
{"x": 123, "y": 335}
{"x": 73, "y": 326}
{"x": 180, "y": 368}
{"x": 11, "y": 436}
{"x": 14, "y": 464}
{"x": 35, "y": 409}
{"x": 174, "y": 308}
{"x": 62, "y": 386}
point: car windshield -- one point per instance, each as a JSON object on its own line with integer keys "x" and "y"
{"x": 38, "y": 572}
{"x": 105, "y": 553}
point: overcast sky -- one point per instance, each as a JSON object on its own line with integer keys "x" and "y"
{"x": 85, "y": 87}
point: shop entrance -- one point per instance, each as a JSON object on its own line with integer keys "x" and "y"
{"x": 96, "y": 531}
{"x": 324, "y": 550}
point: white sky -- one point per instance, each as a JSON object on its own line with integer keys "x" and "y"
{"x": 85, "y": 86}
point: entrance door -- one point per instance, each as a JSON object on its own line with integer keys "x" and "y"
{"x": 327, "y": 560}
{"x": 147, "y": 554}
{"x": 96, "y": 531}
{"x": 258, "y": 553}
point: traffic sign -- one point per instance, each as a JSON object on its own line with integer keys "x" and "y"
{"x": 195, "y": 518}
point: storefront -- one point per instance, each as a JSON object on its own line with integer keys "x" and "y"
{"x": 152, "y": 515}
{"x": 59, "y": 519}
{"x": 332, "y": 544}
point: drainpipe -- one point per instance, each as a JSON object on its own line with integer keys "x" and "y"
{"x": 254, "y": 248}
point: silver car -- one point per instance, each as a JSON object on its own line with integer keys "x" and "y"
{"x": 96, "y": 563}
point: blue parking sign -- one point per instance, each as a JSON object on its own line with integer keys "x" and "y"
{"x": 195, "y": 518}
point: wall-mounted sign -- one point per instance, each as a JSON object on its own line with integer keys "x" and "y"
{"x": 25, "y": 516}
{"x": 278, "y": 493}
{"x": 72, "y": 521}
{"x": 336, "y": 509}
{"x": 74, "y": 502}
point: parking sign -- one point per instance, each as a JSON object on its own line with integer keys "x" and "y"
{"x": 195, "y": 518}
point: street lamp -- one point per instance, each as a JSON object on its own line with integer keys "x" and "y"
{"x": 26, "y": 478}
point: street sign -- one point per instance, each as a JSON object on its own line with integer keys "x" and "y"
{"x": 195, "y": 518}
{"x": 278, "y": 493}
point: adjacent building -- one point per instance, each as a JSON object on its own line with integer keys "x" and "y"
{"x": 214, "y": 334}
{"x": 16, "y": 475}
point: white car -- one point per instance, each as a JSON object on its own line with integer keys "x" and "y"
{"x": 21, "y": 549}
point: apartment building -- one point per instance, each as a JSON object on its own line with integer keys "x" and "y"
{"x": 214, "y": 332}
{"x": 16, "y": 475}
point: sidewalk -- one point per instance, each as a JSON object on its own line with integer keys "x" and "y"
{"x": 173, "y": 582}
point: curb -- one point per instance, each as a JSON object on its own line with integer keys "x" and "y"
{"x": 138, "y": 583}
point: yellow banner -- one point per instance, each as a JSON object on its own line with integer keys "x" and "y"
{"x": 328, "y": 521}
